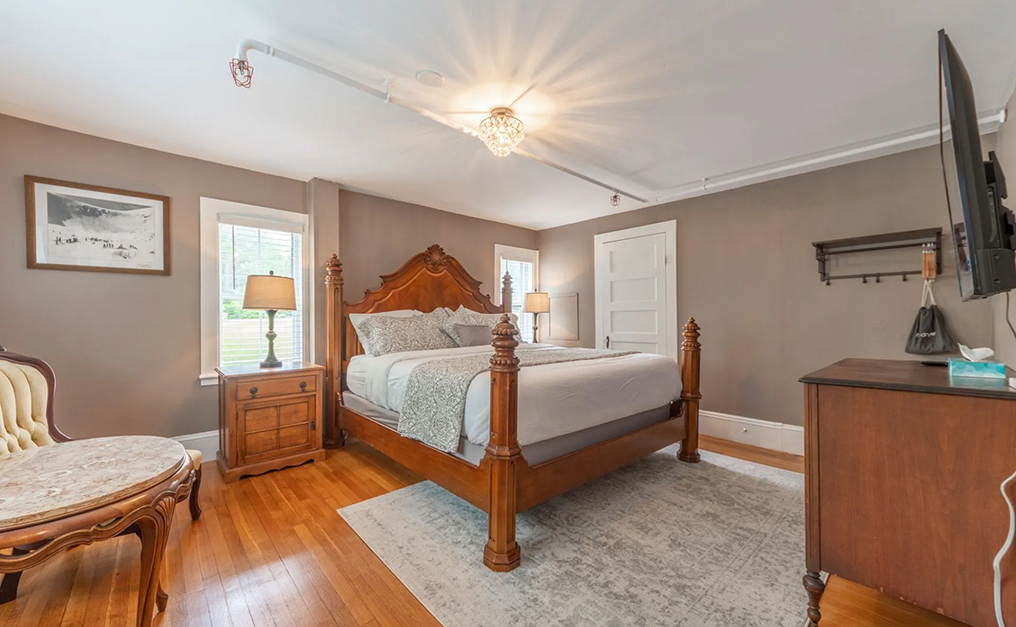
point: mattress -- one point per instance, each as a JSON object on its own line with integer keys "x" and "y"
{"x": 554, "y": 399}
{"x": 535, "y": 453}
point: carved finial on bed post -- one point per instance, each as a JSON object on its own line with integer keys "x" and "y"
{"x": 690, "y": 396}
{"x": 502, "y": 553}
{"x": 506, "y": 293}
{"x": 333, "y": 358}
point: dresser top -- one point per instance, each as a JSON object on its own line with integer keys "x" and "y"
{"x": 59, "y": 480}
{"x": 243, "y": 370}
{"x": 909, "y": 376}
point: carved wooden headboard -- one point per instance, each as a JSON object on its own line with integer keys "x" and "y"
{"x": 429, "y": 280}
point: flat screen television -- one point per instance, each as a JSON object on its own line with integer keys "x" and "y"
{"x": 984, "y": 241}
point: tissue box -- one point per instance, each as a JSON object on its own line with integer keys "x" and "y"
{"x": 981, "y": 369}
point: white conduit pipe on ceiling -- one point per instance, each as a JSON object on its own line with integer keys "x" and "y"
{"x": 673, "y": 193}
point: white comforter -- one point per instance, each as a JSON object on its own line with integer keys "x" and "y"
{"x": 554, "y": 399}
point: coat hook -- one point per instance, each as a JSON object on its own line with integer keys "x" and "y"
{"x": 864, "y": 278}
{"x": 878, "y": 278}
{"x": 904, "y": 276}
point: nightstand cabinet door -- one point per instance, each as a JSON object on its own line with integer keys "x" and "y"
{"x": 269, "y": 419}
{"x": 273, "y": 428}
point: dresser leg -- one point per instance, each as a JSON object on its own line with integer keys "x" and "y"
{"x": 815, "y": 586}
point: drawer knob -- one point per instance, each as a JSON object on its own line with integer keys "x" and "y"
{"x": 303, "y": 386}
{"x": 253, "y": 392}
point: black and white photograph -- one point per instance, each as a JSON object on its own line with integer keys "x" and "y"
{"x": 73, "y": 226}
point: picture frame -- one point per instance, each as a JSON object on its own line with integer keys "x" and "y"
{"x": 564, "y": 317}
{"x": 90, "y": 228}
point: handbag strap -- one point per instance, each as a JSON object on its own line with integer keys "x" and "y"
{"x": 927, "y": 295}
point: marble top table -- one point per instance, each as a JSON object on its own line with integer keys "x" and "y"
{"x": 58, "y": 480}
{"x": 64, "y": 495}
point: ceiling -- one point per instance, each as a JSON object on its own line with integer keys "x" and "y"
{"x": 649, "y": 97}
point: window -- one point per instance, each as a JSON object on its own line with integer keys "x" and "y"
{"x": 523, "y": 265}
{"x": 236, "y": 241}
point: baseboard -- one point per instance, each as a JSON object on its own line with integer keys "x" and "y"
{"x": 774, "y": 436}
{"x": 206, "y": 442}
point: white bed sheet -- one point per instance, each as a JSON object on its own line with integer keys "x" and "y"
{"x": 554, "y": 399}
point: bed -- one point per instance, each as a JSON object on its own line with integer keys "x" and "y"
{"x": 526, "y": 435}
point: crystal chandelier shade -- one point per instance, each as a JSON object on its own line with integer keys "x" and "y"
{"x": 502, "y": 131}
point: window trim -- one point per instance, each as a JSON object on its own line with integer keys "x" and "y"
{"x": 210, "y": 211}
{"x": 514, "y": 253}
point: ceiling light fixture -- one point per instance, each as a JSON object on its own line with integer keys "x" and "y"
{"x": 502, "y": 131}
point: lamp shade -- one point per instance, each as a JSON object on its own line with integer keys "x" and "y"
{"x": 537, "y": 302}
{"x": 267, "y": 291}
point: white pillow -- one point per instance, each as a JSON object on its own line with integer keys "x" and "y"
{"x": 357, "y": 320}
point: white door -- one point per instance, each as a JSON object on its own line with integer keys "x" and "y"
{"x": 636, "y": 289}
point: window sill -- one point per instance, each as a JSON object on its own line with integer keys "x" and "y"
{"x": 208, "y": 379}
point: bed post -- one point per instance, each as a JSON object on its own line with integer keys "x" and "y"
{"x": 506, "y": 293}
{"x": 690, "y": 351}
{"x": 502, "y": 553}
{"x": 333, "y": 359}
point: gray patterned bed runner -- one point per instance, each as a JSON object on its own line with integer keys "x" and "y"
{"x": 435, "y": 399}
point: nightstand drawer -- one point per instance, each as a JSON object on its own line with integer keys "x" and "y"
{"x": 266, "y": 388}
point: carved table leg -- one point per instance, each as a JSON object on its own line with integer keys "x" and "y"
{"x": 154, "y": 533}
{"x": 195, "y": 507}
{"x": 9, "y": 585}
{"x": 815, "y": 586}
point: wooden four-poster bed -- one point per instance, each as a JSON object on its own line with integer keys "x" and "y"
{"x": 503, "y": 483}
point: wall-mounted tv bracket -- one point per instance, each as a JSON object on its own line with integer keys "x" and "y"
{"x": 929, "y": 240}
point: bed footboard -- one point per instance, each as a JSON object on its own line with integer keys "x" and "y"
{"x": 690, "y": 395}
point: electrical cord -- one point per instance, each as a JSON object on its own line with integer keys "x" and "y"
{"x": 997, "y": 564}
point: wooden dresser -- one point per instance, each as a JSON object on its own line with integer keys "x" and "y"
{"x": 269, "y": 418}
{"x": 903, "y": 468}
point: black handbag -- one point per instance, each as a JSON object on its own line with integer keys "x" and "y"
{"x": 929, "y": 335}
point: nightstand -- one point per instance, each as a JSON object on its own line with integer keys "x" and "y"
{"x": 269, "y": 418}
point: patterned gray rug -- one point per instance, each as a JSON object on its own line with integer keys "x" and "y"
{"x": 657, "y": 543}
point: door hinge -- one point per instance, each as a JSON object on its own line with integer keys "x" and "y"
{"x": 313, "y": 425}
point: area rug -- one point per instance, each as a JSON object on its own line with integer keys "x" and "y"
{"x": 659, "y": 542}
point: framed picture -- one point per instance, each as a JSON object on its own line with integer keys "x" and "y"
{"x": 71, "y": 226}
{"x": 564, "y": 317}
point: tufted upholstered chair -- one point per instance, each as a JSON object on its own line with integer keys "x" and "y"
{"x": 26, "y": 422}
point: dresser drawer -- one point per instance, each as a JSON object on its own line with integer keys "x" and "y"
{"x": 276, "y": 386}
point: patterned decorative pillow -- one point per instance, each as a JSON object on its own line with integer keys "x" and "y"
{"x": 386, "y": 334}
{"x": 463, "y": 316}
{"x": 357, "y": 321}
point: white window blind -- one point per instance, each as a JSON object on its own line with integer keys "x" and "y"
{"x": 523, "y": 275}
{"x": 244, "y": 249}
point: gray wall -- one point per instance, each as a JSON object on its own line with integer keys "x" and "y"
{"x": 747, "y": 273}
{"x": 125, "y": 347}
{"x": 378, "y": 235}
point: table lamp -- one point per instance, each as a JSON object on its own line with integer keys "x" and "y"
{"x": 270, "y": 293}
{"x": 536, "y": 304}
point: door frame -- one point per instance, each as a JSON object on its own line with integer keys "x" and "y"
{"x": 669, "y": 230}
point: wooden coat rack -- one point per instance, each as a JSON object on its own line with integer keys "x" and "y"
{"x": 930, "y": 241}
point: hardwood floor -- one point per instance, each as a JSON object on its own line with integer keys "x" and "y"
{"x": 271, "y": 550}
